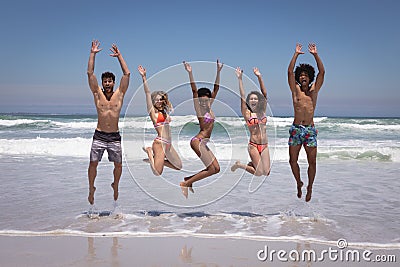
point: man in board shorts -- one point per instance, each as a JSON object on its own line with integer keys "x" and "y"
{"x": 303, "y": 132}
{"x": 108, "y": 105}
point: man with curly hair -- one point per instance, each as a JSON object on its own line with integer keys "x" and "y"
{"x": 303, "y": 131}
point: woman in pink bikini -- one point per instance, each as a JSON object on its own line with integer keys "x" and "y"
{"x": 202, "y": 100}
{"x": 162, "y": 152}
{"x": 254, "y": 113}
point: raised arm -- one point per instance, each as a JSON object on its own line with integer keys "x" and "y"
{"x": 124, "y": 83}
{"x": 188, "y": 68}
{"x": 93, "y": 84}
{"x": 196, "y": 104}
{"x": 149, "y": 102}
{"x": 291, "y": 77}
{"x": 243, "y": 106}
{"x": 321, "y": 69}
{"x": 260, "y": 81}
{"x": 217, "y": 80}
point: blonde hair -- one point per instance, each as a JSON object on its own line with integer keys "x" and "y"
{"x": 166, "y": 106}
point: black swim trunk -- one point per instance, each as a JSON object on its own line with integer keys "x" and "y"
{"x": 106, "y": 141}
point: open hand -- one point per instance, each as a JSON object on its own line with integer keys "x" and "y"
{"x": 114, "y": 51}
{"x": 256, "y": 71}
{"x": 298, "y": 48}
{"x": 188, "y": 68}
{"x": 142, "y": 71}
{"x": 312, "y": 48}
{"x": 239, "y": 73}
{"x": 95, "y": 47}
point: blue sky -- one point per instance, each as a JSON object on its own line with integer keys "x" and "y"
{"x": 45, "y": 47}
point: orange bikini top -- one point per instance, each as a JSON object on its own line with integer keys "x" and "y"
{"x": 254, "y": 120}
{"x": 162, "y": 119}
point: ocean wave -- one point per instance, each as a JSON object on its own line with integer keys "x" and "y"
{"x": 287, "y": 121}
{"x": 358, "y": 155}
{"x": 23, "y": 122}
{"x": 70, "y": 147}
{"x": 223, "y": 150}
{"x": 384, "y": 154}
{"x": 84, "y": 125}
{"x": 228, "y": 123}
{"x": 364, "y": 127}
{"x": 341, "y": 138}
{"x": 43, "y": 124}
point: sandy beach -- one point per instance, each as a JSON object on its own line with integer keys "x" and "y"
{"x": 179, "y": 251}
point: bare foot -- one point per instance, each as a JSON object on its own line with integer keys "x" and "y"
{"x": 91, "y": 195}
{"x": 184, "y": 189}
{"x": 235, "y": 166}
{"x": 147, "y": 149}
{"x": 115, "y": 188}
{"x": 191, "y": 186}
{"x": 309, "y": 192}
{"x": 299, "y": 192}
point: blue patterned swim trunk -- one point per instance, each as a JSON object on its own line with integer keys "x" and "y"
{"x": 300, "y": 134}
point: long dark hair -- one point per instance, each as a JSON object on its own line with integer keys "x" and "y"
{"x": 262, "y": 102}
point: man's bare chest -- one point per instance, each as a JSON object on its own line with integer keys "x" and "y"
{"x": 112, "y": 105}
{"x": 303, "y": 98}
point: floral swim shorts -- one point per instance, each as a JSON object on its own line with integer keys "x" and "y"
{"x": 303, "y": 134}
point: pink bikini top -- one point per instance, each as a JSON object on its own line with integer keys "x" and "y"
{"x": 208, "y": 118}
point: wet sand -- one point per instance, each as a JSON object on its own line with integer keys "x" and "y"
{"x": 172, "y": 251}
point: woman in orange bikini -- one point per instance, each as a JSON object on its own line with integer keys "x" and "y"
{"x": 254, "y": 113}
{"x": 202, "y": 100}
{"x": 162, "y": 152}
